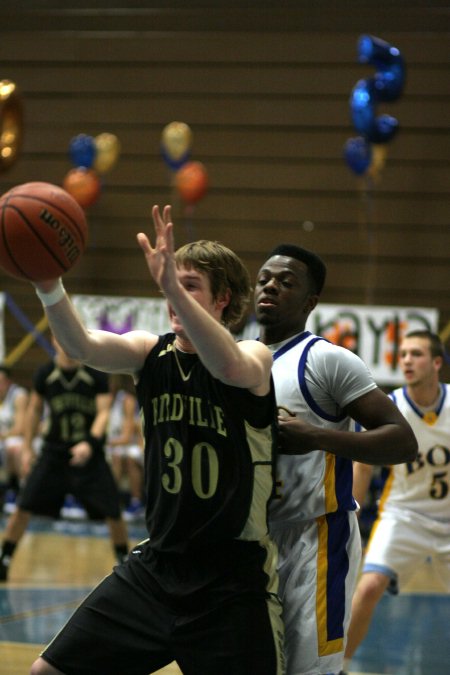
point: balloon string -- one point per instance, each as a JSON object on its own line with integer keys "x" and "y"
{"x": 189, "y": 222}
{"x": 371, "y": 239}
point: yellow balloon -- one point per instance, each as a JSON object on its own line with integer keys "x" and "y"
{"x": 379, "y": 156}
{"x": 176, "y": 139}
{"x": 108, "y": 151}
{"x": 11, "y": 123}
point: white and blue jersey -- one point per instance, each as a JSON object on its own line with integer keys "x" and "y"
{"x": 313, "y": 518}
{"x": 315, "y": 380}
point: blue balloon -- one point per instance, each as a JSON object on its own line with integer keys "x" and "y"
{"x": 386, "y": 85}
{"x": 82, "y": 150}
{"x": 172, "y": 163}
{"x": 358, "y": 154}
{"x": 389, "y": 64}
{"x": 363, "y": 101}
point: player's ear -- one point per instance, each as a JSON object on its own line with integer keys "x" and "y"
{"x": 310, "y": 304}
{"x": 223, "y": 300}
{"x": 438, "y": 363}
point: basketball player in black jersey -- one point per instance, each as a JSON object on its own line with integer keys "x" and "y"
{"x": 202, "y": 590}
{"x": 72, "y": 459}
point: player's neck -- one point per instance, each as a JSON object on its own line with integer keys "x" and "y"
{"x": 66, "y": 363}
{"x": 271, "y": 335}
{"x": 184, "y": 345}
{"x": 425, "y": 394}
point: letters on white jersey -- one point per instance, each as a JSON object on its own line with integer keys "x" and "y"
{"x": 423, "y": 486}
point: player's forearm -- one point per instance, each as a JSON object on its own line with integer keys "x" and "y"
{"x": 30, "y": 428}
{"x": 362, "y": 476}
{"x": 100, "y": 349}
{"x": 64, "y": 322}
{"x": 385, "y": 445}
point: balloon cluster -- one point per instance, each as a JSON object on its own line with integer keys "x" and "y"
{"x": 386, "y": 86}
{"x": 90, "y": 157}
{"x": 11, "y": 123}
{"x": 191, "y": 178}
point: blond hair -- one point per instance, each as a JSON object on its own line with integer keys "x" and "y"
{"x": 225, "y": 271}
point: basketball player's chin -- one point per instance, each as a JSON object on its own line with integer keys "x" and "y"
{"x": 265, "y": 316}
{"x": 176, "y": 327}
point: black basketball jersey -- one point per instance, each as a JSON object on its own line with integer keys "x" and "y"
{"x": 209, "y": 453}
{"x": 71, "y": 398}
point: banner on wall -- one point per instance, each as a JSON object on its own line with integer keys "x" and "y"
{"x": 120, "y": 315}
{"x": 372, "y": 332}
{"x": 2, "y": 327}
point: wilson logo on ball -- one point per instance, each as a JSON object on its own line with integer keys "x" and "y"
{"x": 65, "y": 238}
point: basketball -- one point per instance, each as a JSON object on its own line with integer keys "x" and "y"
{"x": 43, "y": 231}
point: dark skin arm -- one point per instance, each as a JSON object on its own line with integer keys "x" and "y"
{"x": 388, "y": 438}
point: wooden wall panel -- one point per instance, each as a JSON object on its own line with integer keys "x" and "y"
{"x": 266, "y": 95}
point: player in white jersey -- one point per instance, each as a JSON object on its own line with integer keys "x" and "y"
{"x": 413, "y": 523}
{"x": 320, "y": 388}
{"x": 124, "y": 443}
{"x": 13, "y": 403}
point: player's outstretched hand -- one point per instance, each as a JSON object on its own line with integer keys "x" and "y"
{"x": 160, "y": 258}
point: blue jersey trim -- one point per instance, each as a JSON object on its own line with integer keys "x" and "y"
{"x": 305, "y": 391}
{"x": 285, "y": 348}
{"x": 416, "y": 409}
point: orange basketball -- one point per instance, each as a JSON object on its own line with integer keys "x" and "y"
{"x": 43, "y": 231}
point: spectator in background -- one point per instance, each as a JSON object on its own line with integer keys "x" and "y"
{"x": 13, "y": 403}
{"x": 124, "y": 443}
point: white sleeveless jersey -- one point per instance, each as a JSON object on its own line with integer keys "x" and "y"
{"x": 7, "y": 407}
{"x": 423, "y": 486}
{"x": 315, "y": 380}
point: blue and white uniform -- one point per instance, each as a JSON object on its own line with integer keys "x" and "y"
{"x": 413, "y": 522}
{"x": 313, "y": 519}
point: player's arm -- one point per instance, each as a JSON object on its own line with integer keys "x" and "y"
{"x": 244, "y": 364}
{"x": 388, "y": 438}
{"x": 362, "y": 476}
{"x": 33, "y": 417}
{"x": 100, "y": 349}
{"x": 100, "y": 423}
{"x": 20, "y": 408}
{"x": 83, "y": 450}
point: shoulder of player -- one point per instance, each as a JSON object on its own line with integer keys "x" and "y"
{"x": 256, "y": 348}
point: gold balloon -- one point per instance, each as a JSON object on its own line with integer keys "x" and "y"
{"x": 379, "y": 156}
{"x": 11, "y": 123}
{"x": 108, "y": 151}
{"x": 176, "y": 139}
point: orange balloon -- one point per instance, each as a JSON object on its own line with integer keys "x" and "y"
{"x": 192, "y": 182}
{"x": 83, "y": 184}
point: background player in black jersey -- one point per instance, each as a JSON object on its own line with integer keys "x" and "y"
{"x": 202, "y": 590}
{"x": 72, "y": 459}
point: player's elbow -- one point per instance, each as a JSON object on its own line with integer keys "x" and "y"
{"x": 407, "y": 448}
